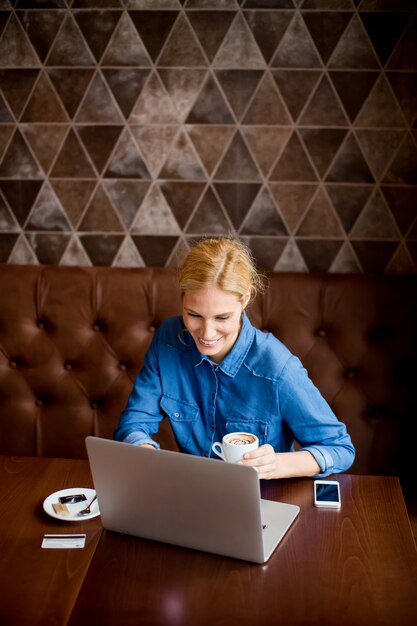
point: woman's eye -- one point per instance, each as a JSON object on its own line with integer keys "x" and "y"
{"x": 220, "y": 318}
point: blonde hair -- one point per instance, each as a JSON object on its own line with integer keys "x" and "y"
{"x": 224, "y": 263}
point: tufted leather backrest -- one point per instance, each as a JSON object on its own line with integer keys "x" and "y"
{"x": 73, "y": 339}
{"x": 357, "y": 337}
{"x": 71, "y": 343}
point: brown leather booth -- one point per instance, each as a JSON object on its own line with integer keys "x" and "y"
{"x": 72, "y": 340}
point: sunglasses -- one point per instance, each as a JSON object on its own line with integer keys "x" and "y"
{"x": 78, "y": 497}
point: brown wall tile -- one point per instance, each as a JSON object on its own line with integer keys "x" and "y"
{"x": 129, "y": 130}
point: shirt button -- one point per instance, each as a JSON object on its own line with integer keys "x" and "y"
{"x": 212, "y": 426}
{"x": 176, "y": 414}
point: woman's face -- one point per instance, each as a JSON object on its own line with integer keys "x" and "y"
{"x": 212, "y": 316}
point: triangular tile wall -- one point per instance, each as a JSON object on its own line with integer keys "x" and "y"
{"x": 131, "y": 128}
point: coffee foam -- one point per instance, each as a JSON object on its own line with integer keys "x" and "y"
{"x": 240, "y": 440}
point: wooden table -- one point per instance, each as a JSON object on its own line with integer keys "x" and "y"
{"x": 39, "y": 587}
{"x": 355, "y": 566}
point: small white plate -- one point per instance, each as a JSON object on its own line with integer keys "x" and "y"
{"x": 73, "y": 508}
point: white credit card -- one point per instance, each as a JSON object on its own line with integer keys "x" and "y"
{"x": 64, "y": 541}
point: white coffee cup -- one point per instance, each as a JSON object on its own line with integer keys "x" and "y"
{"x": 235, "y": 445}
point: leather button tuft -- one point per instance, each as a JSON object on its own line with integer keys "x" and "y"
{"x": 377, "y": 412}
{"x": 41, "y": 325}
{"x": 68, "y": 366}
{"x": 152, "y": 328}
{"x": 378, "y": 333}
{"x": 122, "y": 366}
{"x": 322, "y": 332}
{"x": 38, "y": 402}
{"x": 94, "y": 405}
{"x": 350, "y": 374}
{"x": 96, "y": 328}
{"x": 13, "y": 364}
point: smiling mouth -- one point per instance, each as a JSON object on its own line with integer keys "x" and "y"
{"x": 209, "y": 344}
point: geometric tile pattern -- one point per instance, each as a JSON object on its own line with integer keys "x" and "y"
{"x": 130, "y": 128}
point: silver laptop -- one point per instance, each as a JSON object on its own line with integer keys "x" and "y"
{"x": 191, "y": 501}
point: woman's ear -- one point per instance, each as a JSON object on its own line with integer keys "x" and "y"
{"x": 246, "y": 299}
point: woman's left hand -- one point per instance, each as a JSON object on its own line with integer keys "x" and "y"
{"x": 270, "y": 464}
{"x": 263, "y": 459}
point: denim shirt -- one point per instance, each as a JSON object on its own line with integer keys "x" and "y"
{"x": 259, "y": 387}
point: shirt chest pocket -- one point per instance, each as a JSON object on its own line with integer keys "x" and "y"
{"x": 247, "y": 423}
{"x": 182, "y": 416}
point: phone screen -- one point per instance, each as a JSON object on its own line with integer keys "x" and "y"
{"x": 327, "y": 493}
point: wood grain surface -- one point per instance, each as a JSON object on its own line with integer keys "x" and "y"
{"x": 350, "y": 567}
{"x": 38, "y": 586}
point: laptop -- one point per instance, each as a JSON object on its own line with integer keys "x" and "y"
{"x": 186, "y": 500}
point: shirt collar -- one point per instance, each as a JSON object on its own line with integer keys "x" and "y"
{"x": 234, "y": 359}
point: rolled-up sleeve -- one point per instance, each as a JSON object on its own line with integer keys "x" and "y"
{"x": 312, "y": 422}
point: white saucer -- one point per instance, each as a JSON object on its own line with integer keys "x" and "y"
{"x": 73, "y": 508}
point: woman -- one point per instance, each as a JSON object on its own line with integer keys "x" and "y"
{"x": 211, "y": 372}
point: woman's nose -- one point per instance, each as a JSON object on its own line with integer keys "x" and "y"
{"x": 208, "y": 330}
